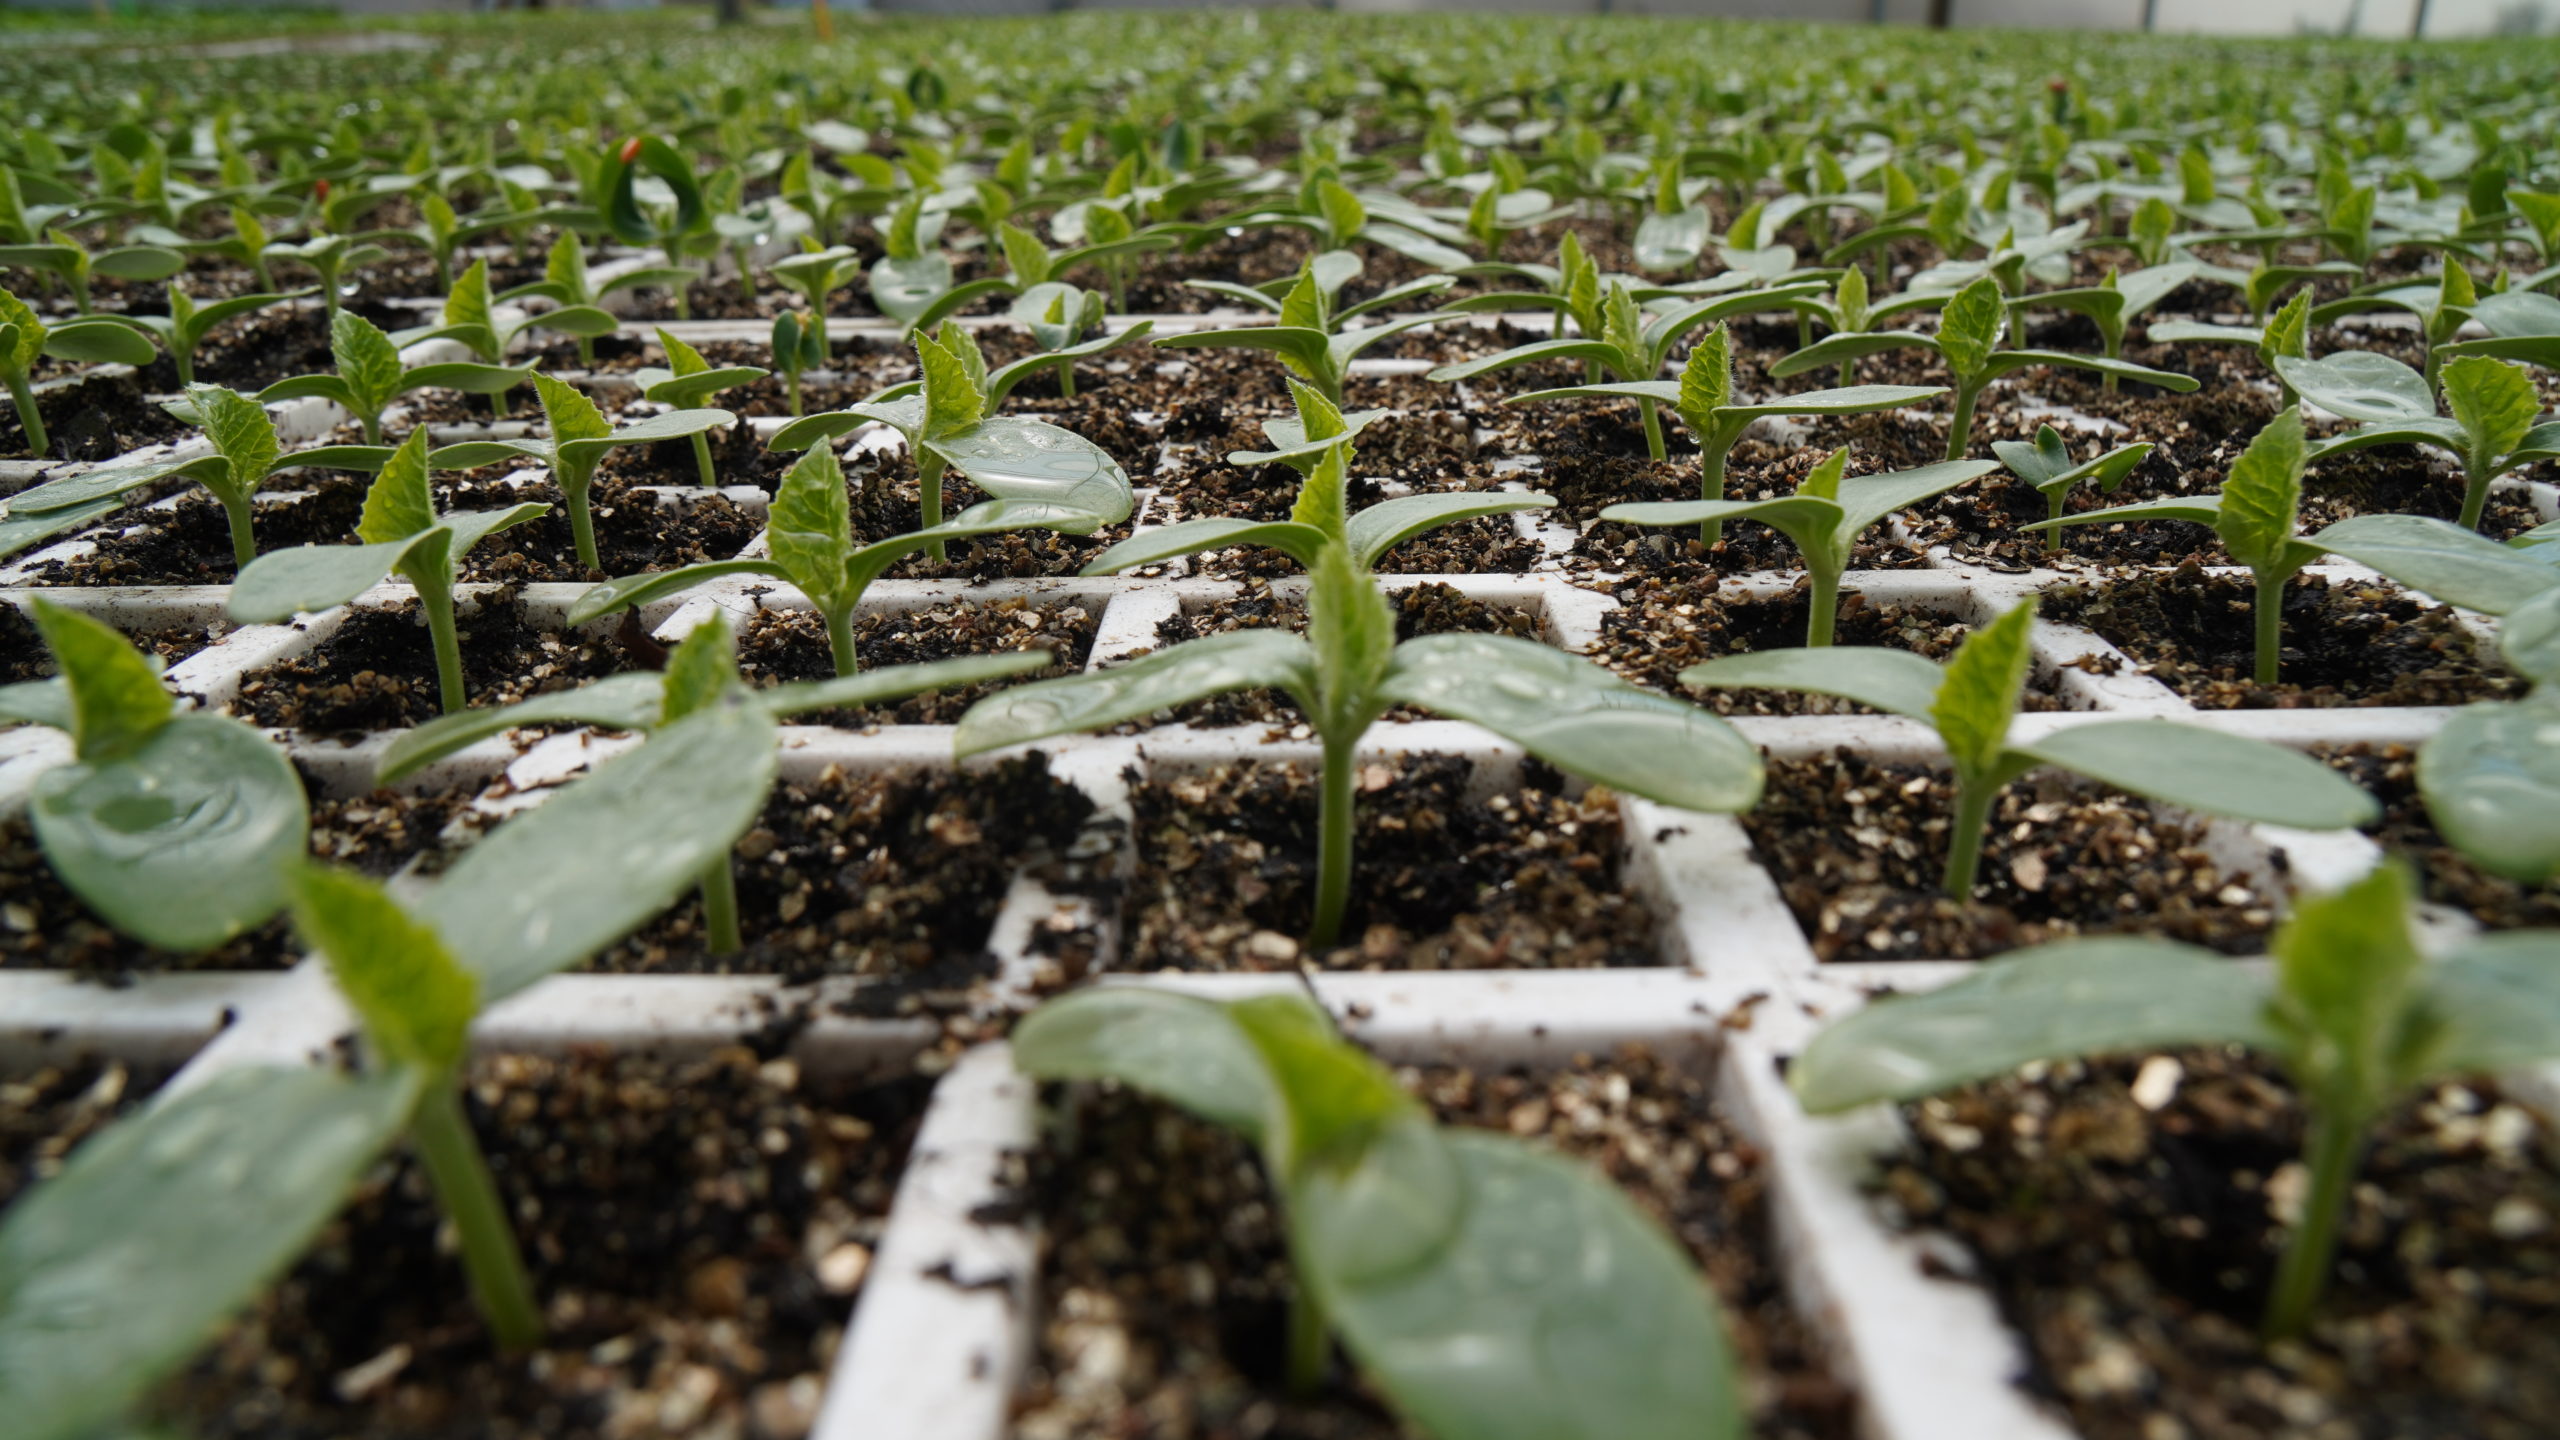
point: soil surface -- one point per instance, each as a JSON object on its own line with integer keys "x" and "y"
{"x": 190, "y": 544}
{"x": 781, "y": 646}
{"x": 2445, "y": 876}
{"x": 1165, "y": 1269}
{"x": 1859, "y": 851}
{"x": 24, "y": 655}
{"x": 46, "y": 1111}
{"x": 2344, "y": 644}
{"x": 378, "y": 671}
{"x": 697, "y": 1234}
{"x": 1525, "y": 879}
{"x": 2133, "y": 1245}
{"x": 99, "y": 418}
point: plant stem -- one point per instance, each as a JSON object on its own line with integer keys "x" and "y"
{"x": 2475, "y": 494}
{"x": 2270, "y": 625}
{"x": 840, "y": 639}
{"x": 929, "y": 480}
{"x": 1309, "y": 1347}
{"x": 1333, "y": 845}
{"x": 372, "y": 427}
{"x": 29, "y": 418}
{"x": 453, "y": 1160}
{"x": 1823, "y": 619}
{"x": 2054, "y": 503}
{"x": 183, "y": 356}
{"x": 1711, "y": 458}
{"x": 720, "y": 907}
{"x": 1960, "y": 424}
{"x": 2337, "y": 1141}
{"x": 702, "y": 460}
{"x": 791, "y": 387}
{"x": 244, "y": 543}
{"x": 1067, "y": 380}
{"x": 1964, "y": 842}
{"x": 1652, "y": 428}
{"x": 437, "y": 601}
{"x": 1848, "y": 373}
{"x": 586, "y": 353}
{"x": 582, "y": 526}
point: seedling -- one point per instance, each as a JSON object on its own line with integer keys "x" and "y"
{"x": 1037, "y": 475}
{"x": 400, "y": 531}
{"x": 580, "y": 436}
{"x": 1849, "y": 311}
{"x": 799, "y": 346}
{"x": 910, "y": 273}
{"x": 686, "y": 383}
{"x": 1434, "y": 1254}
{"x": 1675, "y": 231}
{"x": 1703, "y": 397}
{"x": 565, "y": 283}
{"x": 2352, "y": 1010}
{"x": 24, "y": 338}
{"x": 115, "y": 1272}
{"x": 1570, "y": 288}
{"x": 1067, "y": 324}
{"x": 2047, "y": 465}
{"x": 1348, "y": 670}
{"x": 2257, "y": 515}
{"x": 440, "y": 232}
{"x": 1031, "y": 467}
{"x": 64, "y": 258}
{"x": 330, "y": 257}
{"x": 245, "y": 454}
{"x": 370, "y": 375}
{"x": 2442, "y": 309}
{"x": 1968, "y": 329}
{"x": 1633, "y": 349}
{"x": 702, "y": 668}
{"x": 471, "y": 320}
{"x": 1824, "y": 516}
{"x": 2114, "y": 302}
{"x": 2287, "y": 334}
{"x": 2494, "y": 407}
{"x": 1030, "y": 263}
{"x": 1309, "y": 338}
{"x": 2522, "y": 326}
{"x": 175, "y": 826}
{"x": 816, "y": 272}
{"x": 1972, "y": 702}
{"x": 187, "y": 324}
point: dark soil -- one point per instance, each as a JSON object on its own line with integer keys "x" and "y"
{"x": 1526, "y": 879}
{"x": 1168, "y": 1282}
{"x": 697, "y": 1234}
{"x": 887, "y": 501}
{"x": 2133, "y": 1247}
{"x": 2445, "y": 875}
{"x": 99, "y": 418}
{"x": 191, "y": 544}
{"x": 253, "y": 351}
{"x": 23, "y": 655}
{"x": 378, "y": 671}
{"x": 1859, "y": 851}
{"x": 2344, "y": 644}
{"x": 781, "y": 646}
{"x": 634, "y": 532}
{"x": 1661, "y": 628}
{"x": 894, "y": 877}
{"x": 47, "y": 1111}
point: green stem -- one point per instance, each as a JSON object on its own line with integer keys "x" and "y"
{"x": 372, "y": 424}
{"x": 1964, "y": 843}
{"x": 582, "y": 525}
{"x": 1960, "y": 425}
{"x": 791, "y": 388}
{"x": 461, "y": 1177}
{"x": 437, "y": 600}
{"x": 1067, "y": 380}
{"x": 1804, "y": 331}
{"x": 244, "y": 542}
{"x": 840, "y": 639}
{"x": 720, "y": 908}
{"x": 586, "y": 353}
{"x": 929, "y": 480}
{"x": 80, "y": 294}
{"x": 2475, "y": 494}
{"x": 2270, "y": 625}
{"x": 2337, "y": 1142}
{"x": 1333, "y": 846}
{"x": 702, "y": 459}
{"x": 183, "y": 356}
{"x": 1848, "y": 373}
{"x": 30, "y": 418}
{"x": 1309, "y": 1347}
{"x": 1823, "y": 618}
{"x": 2054, "y": 501}
{"x": 1711, "y": 458}
{"x": 1652, "y": 428}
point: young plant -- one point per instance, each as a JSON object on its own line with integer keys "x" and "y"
{"x": 1309, "y": 338}
{"x": 911, "y": 274}
{"x": 1972, "y": 702}
{"x": 1850, "y": 312}
{"x": 187, "y": 324}
{"x": 1968, "y": 330}
{"x": 1349, "y": 669}
{"x": 816, "y": 272}
{"x": 1440, "y": 1257}
{"x": 701, "y": 670}
{"x": 2442, "y": 309}
{"x": 2286, "y": 334}
{"x": 1570, "y": 288}
{"x": 565, "y": 283}
{"x": 1824, "y": 516}
{"x": 400, "y": 531}
{"x": 1037, "y": 475}
{"x": 62, "y": 257}
{"x": 1703, "y": 397}
{"x": 2114, "y": 302}
{"x": 245, "y": 454}
{"x": 115, "y": 1272}
{"x": 2353, "y": 1011}
{"x": 685, "y": 383}
{"x": 24, "y": 339}
{"x": 175, "y": 826}
{"x": 2257, "y": 515}
{"x": 470, "y": 319}
{"x": 1029, "y": 466}
{"x": 799, "y": 346}
{"x": 371, "y": 375}
{"x": 1067, "y": 324}
{"x": 580, "y": 436}
{"x": 1633, "y": 349}
{"x": 331, "y": 258}
{"x": 2047, "y": 465}
{"x": 2496, "y": 425}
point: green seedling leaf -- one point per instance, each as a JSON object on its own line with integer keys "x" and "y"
{"x": 2491, "y": 778}
{"x": 2209, "y": 772}
{"x": 1195, "y": 670}
{"x": 615, "y": 702}
{"x": 117, "y": 702}
{"x": 1157, "y": 545}
{"x": 2446, "y": 562}
{"x": 2360, "y": 385}
{"x": 1978, "y": 694}
{"x": 1895, "y": 681}
{"x": 2262, "y": 495}
{"x": 2494, "y": 402}
{"x": 416, "y": 1000}
{"x": 1179, "y": 1047}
